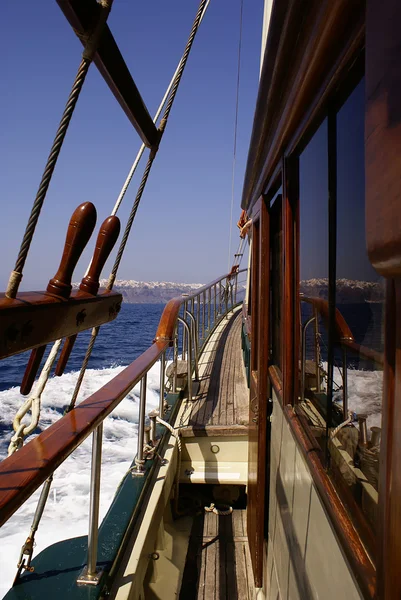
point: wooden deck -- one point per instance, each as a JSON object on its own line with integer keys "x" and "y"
{"x": 221, "y": 406}
{"x": 218, "y": 565}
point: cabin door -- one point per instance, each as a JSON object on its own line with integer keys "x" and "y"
{"x": 259, "y": 403}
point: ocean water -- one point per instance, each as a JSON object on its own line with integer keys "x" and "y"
{"x": 66, "y": 513}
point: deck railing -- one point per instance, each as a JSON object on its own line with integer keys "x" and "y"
{"x": 343, "y": 338}
{"x": 185, "y": 325}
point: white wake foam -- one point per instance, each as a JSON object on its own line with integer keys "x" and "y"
{"x": 365, "y": 389}
{"x": 66, "y": 513}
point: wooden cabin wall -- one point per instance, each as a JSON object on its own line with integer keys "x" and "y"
{"x": 383, "y": 230}
{"x": 258, "y": 407}
{"x": 293, "y": 99}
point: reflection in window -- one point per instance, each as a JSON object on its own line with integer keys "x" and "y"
{"x": 353, "y": 442}
{"x": 276, "y": 279}
{"x": 360, "y": 301}
{"x": 314, "y": 274}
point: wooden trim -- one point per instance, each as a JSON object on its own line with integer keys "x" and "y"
{"x": 342, "y": 331}
{"x": 108, "y": 59}
{"x": 276, "y": 380}
{"x": 389, "y": 525}
{"x": 306, "y": 41}
{"x": 349, "y": 538}
{"x": 383, "y": 136}
{"x": 36, "y": 318}
{"x": 259, "y": 405}
{"x": 255, "y": 293}
{"x": 215, "y": 431}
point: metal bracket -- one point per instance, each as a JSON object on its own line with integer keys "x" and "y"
{"x": 90, "y": 579}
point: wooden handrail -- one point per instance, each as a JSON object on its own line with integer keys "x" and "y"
{"x": 22, "y": 473}
{"x": 343, "y": 332}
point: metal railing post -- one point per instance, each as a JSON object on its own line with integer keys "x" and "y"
{"x": 91, "y": 575}
{"x": 209, "y": 306}
{"x": 162, "y": 375}
{"x": 140, "y": 461}
{"x": 203, "y": 314}
{"x": 189, "y": 357}
{"x": 215, "y": 304}
{"x": 184, "y": 334}
{"x": 317, "y": 350}
{"x": 345, "y": 384}
{"x": 175, "y": 359}
{"x": 198, "y": 313}
{"x": 303, "y": 359}
{"x": 235, "y": 288}
{"x": 226, "y": 296}
{"x": 195, "y": 341}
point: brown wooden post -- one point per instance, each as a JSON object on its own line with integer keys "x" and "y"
{"x": 258, "y": 409}
{"x": 383, "y": 233}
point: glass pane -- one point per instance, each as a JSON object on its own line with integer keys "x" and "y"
{"x": 360, "y": 302}
{"x": 314, "y": 264}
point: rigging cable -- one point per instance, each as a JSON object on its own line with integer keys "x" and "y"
{"x": 235, "y": 134}
{"x": 202, "y": 6}
{"x": 16, "y": 275}
{"x": 87, "y": 57}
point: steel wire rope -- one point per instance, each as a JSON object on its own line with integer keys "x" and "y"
{"x": 16, "y": 276}
{"x": 235, "y": 132}
{"x": 88, "y": 54}
{"x": 202, "y": 5}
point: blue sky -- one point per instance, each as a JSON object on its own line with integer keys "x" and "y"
{"x": 182, "y": 226}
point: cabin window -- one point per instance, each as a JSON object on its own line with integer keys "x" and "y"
{"x": 341, "y": 311}
{"x": 313, "y": 261}
{"x": 276, "y": 280}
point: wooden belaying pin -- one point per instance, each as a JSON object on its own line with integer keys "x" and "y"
{"x": 80, "y": 229}
{"x": 107, "y": 237}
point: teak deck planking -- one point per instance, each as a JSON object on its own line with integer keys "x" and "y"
{"x": 219, "y": 562}
{"x": 221, "y": 405}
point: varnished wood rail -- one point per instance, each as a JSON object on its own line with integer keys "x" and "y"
{"x": 23, "y": 472}
{"x": 344, "y": 335}
{"x": 36, "y": 318}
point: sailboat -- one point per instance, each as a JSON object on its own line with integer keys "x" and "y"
{"x": 270, "y": 468}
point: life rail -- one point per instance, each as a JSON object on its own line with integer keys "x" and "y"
{"x": 344, "y": 335}
{"x": 343, "y": 338}
{"x": 23, "y": 472}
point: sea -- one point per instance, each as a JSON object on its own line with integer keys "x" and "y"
{"x": 118, "y": 344}
{"x": 67, "y": 509}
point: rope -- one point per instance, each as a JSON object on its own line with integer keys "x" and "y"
{"x": 343, "y": 424}
{"x": 32, "y": 403}
{"x": 235, "y": 133}
{"x": 88, "y": 353}
{"x": 218, "y": 511}
{"x": 88, "y": 54}
{"x": 176, "y": 434}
